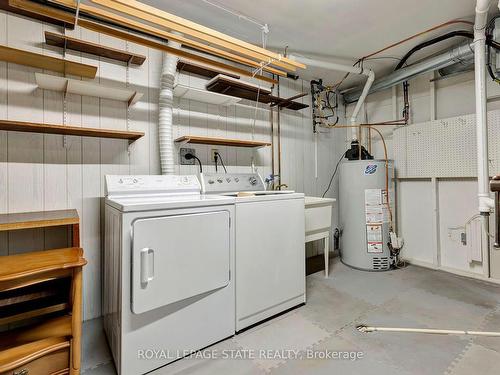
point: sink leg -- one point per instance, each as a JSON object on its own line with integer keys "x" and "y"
{"x": 326, "y": 251}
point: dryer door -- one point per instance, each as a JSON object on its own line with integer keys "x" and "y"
{"x": 178, "y": 257}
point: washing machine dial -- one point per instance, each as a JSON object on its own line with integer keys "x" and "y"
{"x": 253, "y": 181}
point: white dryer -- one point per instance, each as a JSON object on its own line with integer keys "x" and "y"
{"x": 168, "y": 286}
{"x": 270, "y": 251}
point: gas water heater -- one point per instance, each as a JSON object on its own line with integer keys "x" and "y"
{"x": 366, "y": 202}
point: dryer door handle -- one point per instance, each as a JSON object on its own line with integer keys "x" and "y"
{"x": 147, "y": 265}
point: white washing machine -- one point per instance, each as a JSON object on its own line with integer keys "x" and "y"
{"x": 270, "y": 251}
{"x": 168, "y": 270}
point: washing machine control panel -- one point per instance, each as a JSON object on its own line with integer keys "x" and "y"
{"x": 231, "y": 182}
{"x": 146, "y": 184}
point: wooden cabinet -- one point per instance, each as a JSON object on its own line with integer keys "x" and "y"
{"x": 41, "y": 292}
{"x": 47, "y": 356}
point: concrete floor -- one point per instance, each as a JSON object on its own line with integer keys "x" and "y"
{"x": 410, "y": 297}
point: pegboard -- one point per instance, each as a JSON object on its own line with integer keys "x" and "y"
{"x": 444, "y": 148}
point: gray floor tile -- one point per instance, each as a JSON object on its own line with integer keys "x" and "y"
{"x": 330, "y": 308}
{"x": 409, "y": 297}
{"x": 374, "y": 288}
{"x": 476, "y": 360}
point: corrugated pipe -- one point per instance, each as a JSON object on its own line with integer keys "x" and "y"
{"x": 165, "y": 131}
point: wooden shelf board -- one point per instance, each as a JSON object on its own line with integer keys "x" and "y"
{"x": 39, "y": 219}
{"x": 204, "y": 96}
{"x": 31, "y": 127}
{"x": 5, "y": 5}
{"x": 34, "y": 313}
{"x": 64, "y": 41}
{"x": 229, "y": 86}
{"x": 240, "y": 89}
{"x": 202, "y": 69}
{"x": 24, "y": 265}
{"x": 36, "y": 60}
{"x": 220, "y": 141}
{"x": 75, "y": 86}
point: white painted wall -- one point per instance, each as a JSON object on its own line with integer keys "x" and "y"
{"x": 38, "y": 173}
{"x": 429, "y": 207}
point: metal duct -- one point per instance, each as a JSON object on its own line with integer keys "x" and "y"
{"x": 458, "y": 68}
{"x": 450, "y": 57}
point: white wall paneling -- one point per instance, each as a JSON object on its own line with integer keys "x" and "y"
{"x": 42, "y": 172}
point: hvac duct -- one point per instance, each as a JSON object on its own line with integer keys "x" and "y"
{"x": 165, "y": 132}
{"x": 457, "y": 54}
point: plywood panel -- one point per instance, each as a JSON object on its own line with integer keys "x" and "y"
{"x": 91, "y": 199}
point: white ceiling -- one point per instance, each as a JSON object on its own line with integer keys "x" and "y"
{"x": 345, "y": 29}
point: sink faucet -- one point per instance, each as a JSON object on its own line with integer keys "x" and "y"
{"x": 278, "y": 187}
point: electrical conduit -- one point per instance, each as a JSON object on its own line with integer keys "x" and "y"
{"x": 165, "y": 131}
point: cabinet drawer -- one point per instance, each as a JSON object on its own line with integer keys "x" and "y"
{"x": 43, "y": 359}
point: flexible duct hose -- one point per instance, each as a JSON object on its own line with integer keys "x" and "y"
{"x": 165, "y": 131}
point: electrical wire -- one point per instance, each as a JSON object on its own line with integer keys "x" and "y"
{"x": 190, "y": 156}
{"x": 221, "y": 161}
{"x": 333, "y": 174}
{"x": 359, "y": 61}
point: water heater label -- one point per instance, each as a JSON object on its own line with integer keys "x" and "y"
{"x": 374, "y": 238}
{"x": 370, "y": 169}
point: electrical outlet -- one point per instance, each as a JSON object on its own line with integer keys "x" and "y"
{"x": 212, "y": 153}
{"x": 463, "y": 238}
{"x": 184, "y": 151}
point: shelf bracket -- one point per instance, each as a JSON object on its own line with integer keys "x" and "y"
{"x": 184, "y": 142}
{"x": 77, "y": 12}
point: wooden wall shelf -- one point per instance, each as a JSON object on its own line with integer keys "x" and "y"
{"x": 32, "y": 127}
{"x": 240, "y": 89}
{"x": 203, "y": 96}
{"x": 36, "y": 60}
{"x": 220, "y": 141}
{"x": 202, "y": 69}
{"x": 74, "y": 86}
{"x": 39, "y": 219}
{"x": 64, "y": 41}
{"x": 6, "y": 5}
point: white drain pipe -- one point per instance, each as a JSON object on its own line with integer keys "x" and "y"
{"x": 483, "y": 176}
{"x": 348, "y": 69}
{"x": 165, "y": 120}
